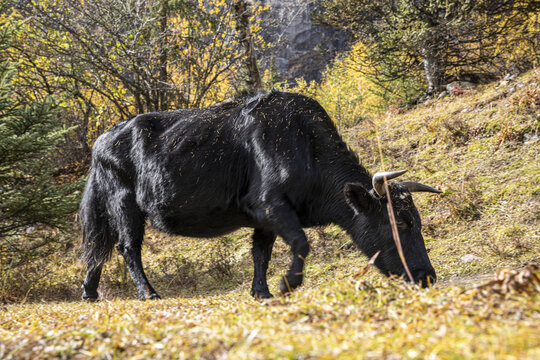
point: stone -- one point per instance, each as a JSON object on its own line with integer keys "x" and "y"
{"x": 442, "y": 94}
{"x": 457, "y": 87}
{"x": 528, "y": 138}
{"x": 469, "y": 258}
{"x": 510, "y": 76}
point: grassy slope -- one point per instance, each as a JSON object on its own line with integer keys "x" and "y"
{"x": 471, "y": 146}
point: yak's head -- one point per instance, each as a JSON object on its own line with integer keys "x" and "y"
{"x": 372, "y": 230}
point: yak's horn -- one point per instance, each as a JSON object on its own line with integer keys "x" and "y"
{"x": 378, "y": 180}
{"x": 417, "y": 187}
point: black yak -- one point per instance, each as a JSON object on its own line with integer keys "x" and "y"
{"x": 273, "y": 162}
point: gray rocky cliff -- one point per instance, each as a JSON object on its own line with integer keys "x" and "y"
{"x": 300, "y": 48}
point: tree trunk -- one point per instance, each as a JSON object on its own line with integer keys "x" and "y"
{"x": 434, "y": 71}
{"x": 162, "y": 36}
{"x": 241, "y": 14}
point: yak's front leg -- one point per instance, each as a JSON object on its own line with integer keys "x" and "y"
{"x": 297, "y": 240}
{"x": 281, "y": 218}
{"x": 263, "y": 241}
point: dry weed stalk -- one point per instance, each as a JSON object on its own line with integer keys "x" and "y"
{"x": 510, "y": 280}
{"x": 368, "y": 266}
{"x": 390, "y": 209}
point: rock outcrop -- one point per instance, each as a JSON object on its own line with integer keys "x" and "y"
{"x": 300, "y": 48}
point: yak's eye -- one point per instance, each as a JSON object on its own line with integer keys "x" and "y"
{"x": 401, "y": 224}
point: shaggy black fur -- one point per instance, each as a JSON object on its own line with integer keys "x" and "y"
{"x": 274, "y": 162}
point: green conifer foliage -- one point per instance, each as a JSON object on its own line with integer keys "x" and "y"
{"x": 33, "y": 203}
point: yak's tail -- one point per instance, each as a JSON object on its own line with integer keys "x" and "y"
{"x": 99, "y": 237}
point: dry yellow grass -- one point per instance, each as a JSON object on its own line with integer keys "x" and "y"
{"x": 344, "y": 319}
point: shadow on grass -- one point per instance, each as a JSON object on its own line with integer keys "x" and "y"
{"x": 187, "y": 281}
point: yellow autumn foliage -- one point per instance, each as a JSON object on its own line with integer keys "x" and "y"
{"x": 345, "y": 92}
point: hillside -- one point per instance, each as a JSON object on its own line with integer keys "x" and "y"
{"x": 480, "y": 147}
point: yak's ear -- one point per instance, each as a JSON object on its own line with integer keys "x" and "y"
{"x": 359, "y": 198}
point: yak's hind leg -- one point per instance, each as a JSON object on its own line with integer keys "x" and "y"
{"x": 128, "y": 221}
{"x": 130, "y": 227}
{"x": 263, "y": 241}
{"x": 91, "y": 282}
{"x": 132, "y": 255}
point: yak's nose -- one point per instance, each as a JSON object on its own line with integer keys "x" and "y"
{"x": 426, "y": 278}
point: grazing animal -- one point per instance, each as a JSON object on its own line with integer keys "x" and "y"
{"x": 273, "y": 162}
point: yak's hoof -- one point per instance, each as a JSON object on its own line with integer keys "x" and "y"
{"x": 261, "y": 294}
{"x": 90, "y": 298}
{"x": 289, "y": 283}
{"x": 152, "y": 296}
